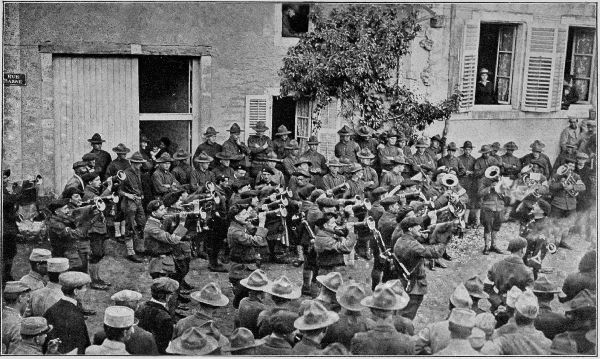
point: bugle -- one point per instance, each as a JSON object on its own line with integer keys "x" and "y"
{"x": 369, "y": 222}
{"x": 119, "y": 177}
{"x": 275, "y": 204}
{"x": 199, "y": 213}
{"x": 281, "y": 211}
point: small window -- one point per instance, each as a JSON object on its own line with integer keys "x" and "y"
{"x": 579, "y": 62}
{"x": 496, "y": 58}
{"x": 294, "y": 19}
{"x": 165, "y": 84}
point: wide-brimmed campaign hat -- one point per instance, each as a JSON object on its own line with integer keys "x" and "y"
{"x": 235, "y": 128}
{"x": 203, "y": 158}
{"x": 365, "y": 153}
{"x": 562, "y": 344}
{"x": 315, "y": 316}
{"x": 121, "y": 148}
{"x": 384, "y": 298}
{"x": 181, "y": 155}
{"x": 210, "y": 131}
{"x": 511, "y": 145}
{"x": 452, "y": 147}
{"x": 543, "y": 285}
{"x": 345, "y": 131}
{"x": 260, "y": 126}
{"x": 136, "y": 157}
{"x": 474, "y": 286}
{"x": 96, "y": 138}
{"x": 241, "y": 338}
{"x": 192, "y": 342}
{"x": 282, "y": 287}
{"x": 210, "y": 294}
{"x": 331, "y": 280}
{"x": 257, "y": 280}
{"x": 335, "y": 162}
{"x": 165, "y": 157}
{"x": 350, "y": 294}
{"x": 313, "y": 140}
{"x": 485, "y": 149}
{"x": 292, "y": 145}
{"x": 421, "y": 143}
{"x": 353, "y": 168}
{"x": 229, "y": 156}
{"x": 398, "y": 289}
{"x": 282, "y": 130}
{"x": 364, "y": 131}
{"x": 467, "y": 144}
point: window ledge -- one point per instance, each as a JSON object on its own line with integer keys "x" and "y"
{"x": 286, "y": 41}
{"x": 492, "y": 108}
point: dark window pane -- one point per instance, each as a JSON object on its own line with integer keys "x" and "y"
{"x": 583, "y": 66}
{"x": 584, "y": 43}
{"x": 164, "y": 84}
{"x": 582, "y": 88}
{"x": 504, "y": 64}
{"x": 506, "y": 38}
{"x": 503, "y": 89}
{"x": 294, "y": 19}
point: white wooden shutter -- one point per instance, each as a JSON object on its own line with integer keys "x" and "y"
{"x": 330, "y": 124}
{"x": 468, "y": 65}
{"x": 258, "y": 108}
{"x": 559, "y": 68}
{"x": 540, "y": 63}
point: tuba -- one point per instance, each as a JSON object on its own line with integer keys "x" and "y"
{"x": 492, "y": 172}
{"x": 568, "y": 180}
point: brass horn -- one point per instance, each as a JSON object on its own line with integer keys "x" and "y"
{"x": 492, "y": 172}
{"x": 450, "y": 180}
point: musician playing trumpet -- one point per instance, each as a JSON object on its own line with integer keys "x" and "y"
{"x": 565, "y": 185}
{"x": 394, "y": 177}
{"x": 330, "y": 244}
{"x": 492, "y": 208}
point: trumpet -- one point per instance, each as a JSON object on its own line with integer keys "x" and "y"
{"x": 99, "y": 201}
{"x": 275, "y": 204}
{"x": 199, "y": 213}
{"x": 369, "y": 222}
{"x": 347, "y": 201}
{"x": 120, "y": 176}
{"x": 281, "y": 211}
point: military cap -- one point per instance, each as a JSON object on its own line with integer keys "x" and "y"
{"x": 388, "y": 201}
{"x": 462, "y": 317}
{"x": 57, "y": 203}
{"x": 452, "y": 146}
{"x": 512, "y": 295}
{"x": 527, "y": 305}
{"x": 235, "y": 128}
{"x": 562, "y": 344}
{"x": 260, "y": 126}
{"x": 543, "y": 285}
{"x": 73, "y": 279}
{"x": 249, "y": 194}
{"x": 79, "y": 164}
{"x": 384, "y": 298}
{"x": 96, "y": 138}
{"x": 282, "y": 287}
{"x": 306, "y": 191}
{"x": 516, "y": 244}
{"x": 210, "y": 294}
{"x": 267, "y": 169}
{"x": 584, "y": 300}
{"x": 165, "y": 157}
{"x": 349, "y": 296}
{"x": 410, "y": 222}
{"x": 89, "y": 157}
{"x": 485, "y": 149}
{"x": 257, "y": 280}
{"x": 117, "y": 316}
{"x": 365, "y": 153}
{"x": 331, "y": 280}
{"x": 58, "y": 265}
{"x": 15, "y": 286}
{"x": 40, "y": 255}
{"x": 72, "y": 191}
{"x": 316, "y": 316}
{"x": 203, "y": 157}
{"x": 193, "y": 342}
{"x": 239, "y": 167}
{"x": 126, "y": 295}
{"x": 474, "y": 286}
{"x": 460, "y": 298}
{"x": 164, "y": 285}
{"x": 171, "y": 198}
{"x": 282, "y": 130}
{"x": 335, "y": 162}
{"x": 345, "y": 131}
{"x": 121, "y": 148}
{"x": 327, "y": 202}
{"x": 301, "y": 173}
{"x": 496, "y": 146}
{"x": 486, "y": 322}
{"x": 32, "y": 326}
{"x": 89, "y": 177}
{"x": 241, "y": 338}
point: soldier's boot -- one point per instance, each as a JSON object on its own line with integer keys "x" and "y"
{"x": 564, "y": 243}
{"x": 493, "y": 247}
{"x": 477, "y": 218}
{"x": 307, "y": 277}
{"x": 213, "y": 262}
{"x": 446, "y": 256}
{"x": 300, "y": 260}
{"x": 439, "y": 264}
{"x": 431, "y": 264}
{"x": 466, "y": 217}
{"x": 486, "y": 244}
{"x": 94, "y": 269}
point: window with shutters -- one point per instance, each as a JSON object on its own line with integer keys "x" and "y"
{"x": 495, "y": 64}
{"x": 258, "y": 108}
{"x": 579, "y": 63}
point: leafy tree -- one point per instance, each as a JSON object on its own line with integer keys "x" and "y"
{"x": 353, "y": 54}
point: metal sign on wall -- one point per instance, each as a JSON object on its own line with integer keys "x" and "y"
{"x": 14, "y": 80}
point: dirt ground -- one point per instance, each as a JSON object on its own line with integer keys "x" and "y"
{"x": 467, "y": 261}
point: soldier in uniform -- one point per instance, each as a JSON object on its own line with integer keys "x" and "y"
{"x": 451, "y": 161}
{"x": 467, "y": 181}
{"x": 346, "y": 148}
{"x": 223, "y": 168}
{"x": 482, "y": 163}
{"x": 163, "y": 181}
{"x": 318, "y": 166}
{"x": 102, "y": 157}
{"x": 393, "y": 177}
{"x": 386, "y": 225}
{"x": 584, "y": 278}
{"x": 330, "y": 245}
{"x": 313, "y": 325}
{"x": 548, "y": 322}
{"x": 283, "y": 294}
{"x": 536, "y": 153}
{"x": 201, "y": 174}
{"x": 44, "y": 298}
{"x": 130, "y": 192}
{"x": 235, "y": 146}
{"x": 120, "y": 163}
{"x": 39, "y": 268}
{"x": 421, "y": 160}
{"x": 210, "y": 146}
{"x": 511, "y": 271}
{"x": 333, "y": 179}
{"x": 460, "y": 324}
{"x": 564, "y": 201}
{"x": 492, "y": 205}
{"x": 154, "y": 315}
{"x": 588, "y": 177}
{"x": 280, "y": 341}
{"x": 383, "y": 338}
{"x": 251, "y": 306}
{"x": 390, "y": 151}
{"x": 436, "y": 147}
{"x": 281, "y": 141}
{"x": 412, "y": 254}
{"x": 75, "y": 182}
{"x": 15, "y": 297}
{"x": 182, "y": 171}
{"x": 34, "y": 331}
{"x": 570, "y": 152}
{"x": 581, "y": 315}
{"x": 370, "y": 177}
{"x": 511, "y": 165}
{"x": 289, "y": 161}
{"x": 259, "y": 145}
{"x": 495, "y": 148}
{"x": 355, "y": 182}
{"x": 588, "y": 141}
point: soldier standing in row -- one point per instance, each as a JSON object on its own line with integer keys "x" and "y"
{"x": 281, "y": 141}
{"x": 102, "y": 157}
{"x": 210, "y": 146}
{"x": 259, "y": 145}
{"x": 346, "y": 148}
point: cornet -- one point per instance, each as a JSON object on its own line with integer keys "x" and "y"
{"x": 281, "y": 211}
{"x": 369, "y": 222}
{"x": 120, "y": 176}
{"x": 275, "y": 204}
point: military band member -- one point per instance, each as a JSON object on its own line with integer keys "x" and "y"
{"x": 532, "y": 214}
{"x": 281, "y": 141}
{"x": 163, "y": 181}
{"x": 436, "y": 146}
{"x": 90, "y": 160}
{"x": 495, "y": 148}
{"x": 386, "y": 225}
{"x": 346, "y": 148}
{"x": 468, "y": 182}
{"x": 330, "y": 245}
{"x": 421, "y": 160}
{"x": 366, "y": 158}
{"x": 182, "y": 170}
{"x": 511, "y": 165}
{"x": 492, "y": 209}
{"x": 259, "y": 144}
{"x": 300, "y": 180}
{"x": 569, "y": 152}
{"x": 276, "y": 178}
{"x": 355, "y": 182}
{"x": 390, "y": 151}
{"x": 588, "y": 142}
{"x": 235, "y": 146}
{"x": 201, "y": 175}
{"x": 102, "y": 157}
{"x": 393, "y": 177}
{"x": 377, "y": 209}
{"x": 79, "y": 168}
{"x": 130, "y": 192}
{"x": 288, "y": 163}
{"x": 120, "y": 163}
{"x": 565, "y": 188}
{"x": 223, "y": 168}
{"x": 334, "y": 179}
{"x": 302, "y": 164}
{"x": 537, "y": 148}
{"x": 210, "y": 146}
{"x": 451, "y": 161}
{"x": 318, "y": 165}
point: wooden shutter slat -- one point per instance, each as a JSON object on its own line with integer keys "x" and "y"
{"x": 540, "y": 66}
{"x": 468, "y": 66}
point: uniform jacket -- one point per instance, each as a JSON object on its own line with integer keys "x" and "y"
{"x": 433, "y": 338}
{"x": 247, "y": 314}
{"x": 511, "y": 166}
{"x": 347, "y": 151}
{"x": 182, "y": 172}
{"x": 424, "y": 160}
{"x": 480, "y": 165}
{"x": 163, "y": 182}
{"x": 549, "y": 322}
{"x": 25, "y": 348}
{"x": 279, "y": 146}
{"x": 376, "y": 211}
{"x": 242, "y": 244}
{"x": 117, "y": 165}
{"x": 288, "y": 165}
{"x": 526, "y": 340}
{"x": 332, "y": 181}
{"x": 103, "y": 159}
{"x": 33, "y": 280}
{"x": 44, "y": 298}
{"x": 199, "y": 178}
{"x": 108, "y": 347}
{"x": 489, "y": 198}
{"x": 330, "y": 248}
{"x": 156, "y": 239}
{"x": 525, "y": 160}
{"x": 254, "y": 140}
{"x": 317, "y": 161}
{"x": 561, "y": 198}
{"x": 357, "y": 188}
{"x": 568, "y": 136}
{"x": 63, "y": 236}
{"x": 452, "y": 162}
{"x": 458, "y": 347}
{"x": 391, "y": 180}
{"x": 133, "y": 183}
{"x": 156, "y": 319}
{"x": 509, "y": 272}
{"x": 344, "y": 329}
{"x": 141, "y": 342}
{"x": 230, "y": 146}
{"x": 69, "y": 326}
{"x": 382, "y": 339}
{"x": 305, "y": 347}
{"x": 73, "y": 182}
{"x": 209, "y": 149}
{"x": 369, "y": 143}
{"x": 369, "y": 175}
{"x": 11, "y": 327}
{"x": 98, "y": 221}
{"x": 412, "y": 254}
{"x": 468, "y": 163}
{"x": 387, "y": 152}
{"x": 274, "y": 346}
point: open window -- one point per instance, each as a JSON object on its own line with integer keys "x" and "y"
{"x": 579, "y": 62}
{"x": 294, "y": 19}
